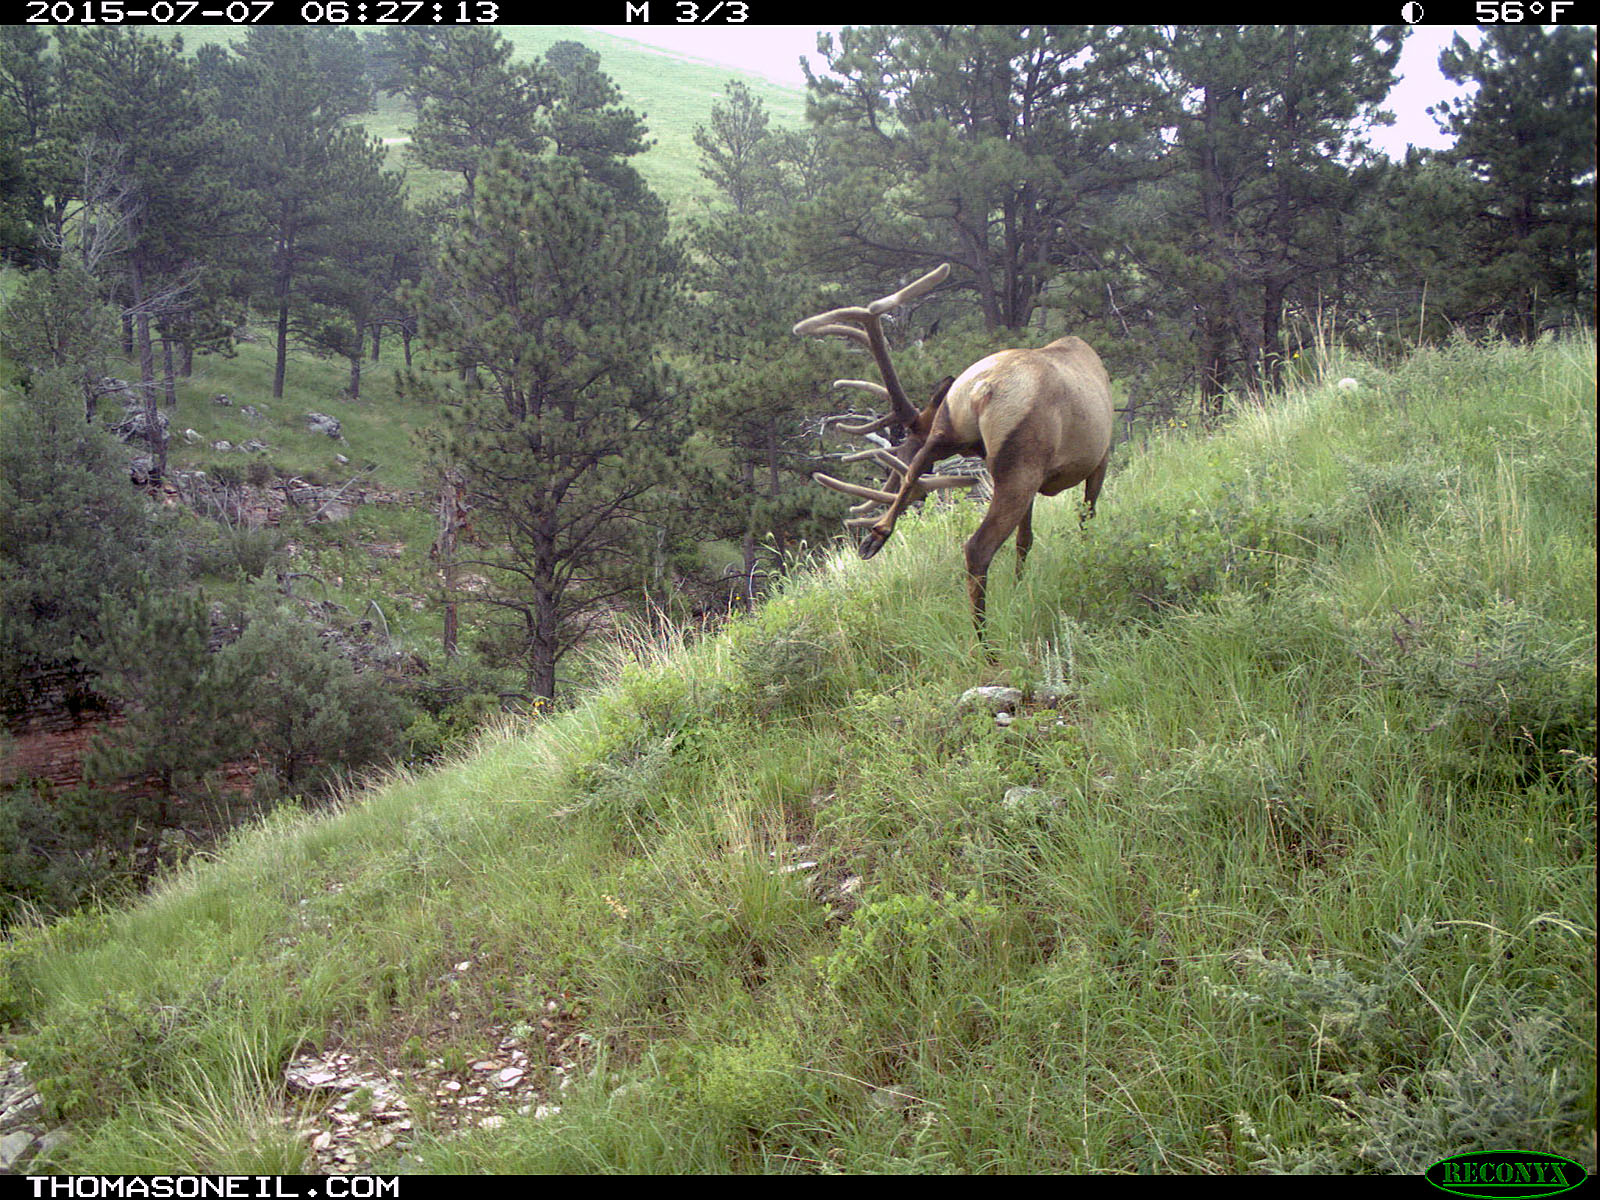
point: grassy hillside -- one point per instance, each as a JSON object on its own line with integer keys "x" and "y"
{"x": 672, "y": 93}
{"x": 1293, "y": 870}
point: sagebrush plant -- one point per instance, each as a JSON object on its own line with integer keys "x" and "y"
{"x": 1296, "y": 872}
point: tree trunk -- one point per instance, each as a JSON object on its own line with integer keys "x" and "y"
{"x": 544, "y": 620}
{"x": 780, "y": 534}
{"x": 147, "y": 369}
{"x": 169, "y": 386}
{"x": 449, "y": 525}
{"x": 283, "y": 341}
{"x": 542, "y": 649}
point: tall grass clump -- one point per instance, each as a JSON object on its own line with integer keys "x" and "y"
{"x": 1285, "y": 862}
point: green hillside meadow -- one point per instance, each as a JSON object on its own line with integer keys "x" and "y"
{"x": 671, "y": 93}
{"x": 1286, "y": 864}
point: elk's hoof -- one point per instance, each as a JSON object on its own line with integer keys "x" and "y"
{"x": 873, "y": 543}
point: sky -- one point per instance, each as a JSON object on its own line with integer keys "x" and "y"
{"x": 774, "y": 51}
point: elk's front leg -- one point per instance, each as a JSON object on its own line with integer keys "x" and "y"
{"x": 910, "y": 491}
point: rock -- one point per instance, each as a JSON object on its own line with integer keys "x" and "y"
{"x": 1347, "y": 384}
{"x": 323, "y": 423}
{"x": 1050, "y": 695}
{"x": 25, "y": 1134}
{"x": 191, "y": 436}
{"x": 222, "y": 445}
{"x": 16, "y": 1148}
{"x": 1029, "y": 800}
{"x": 990, "y": 699}
{"x": 222, "y": 399}
{"x": 135, "y": 426}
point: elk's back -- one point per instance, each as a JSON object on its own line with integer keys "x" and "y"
{"x": 1056, "y": 400}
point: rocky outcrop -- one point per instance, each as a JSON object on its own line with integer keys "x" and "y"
{"x": 255, "y": 506}
{"x": 25, "y": 1134}
{"x": 323, "y": 423}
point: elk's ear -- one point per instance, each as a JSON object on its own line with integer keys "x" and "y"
{"x": 924, "y": 421}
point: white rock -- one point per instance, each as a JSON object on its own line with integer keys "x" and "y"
{"x": 993, "y": 699}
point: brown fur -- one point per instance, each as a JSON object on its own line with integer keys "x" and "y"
{"x": 1048, "y": 416}
{"x": 1042, "y": 420}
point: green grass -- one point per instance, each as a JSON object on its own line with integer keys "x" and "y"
{"x": 1303, "y": 880}
{"x": 374, "y": 557}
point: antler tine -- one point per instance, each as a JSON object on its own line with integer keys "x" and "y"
{"x": 874, "y": 426}
{"x": 822, "y": 323}
{"x": 866, "y": 385}
{"x": 928, "y": 483}
{"x": 830, "y": 322}
{"x": 853, "y": 489}
{"x": 877, "y": 454}
{"x": 933, "y": 483}
{"x": 834, "y": 329}
{"x": 911, "y": 291}
{"x": 863, "y": 326}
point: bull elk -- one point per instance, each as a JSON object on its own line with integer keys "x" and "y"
{"x": 1041, "y": 420}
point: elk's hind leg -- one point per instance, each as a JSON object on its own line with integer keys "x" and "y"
{"x": 1009, "y": 510}
{"x": 1091, "y": 490}
{"x": 1024, "y": 538}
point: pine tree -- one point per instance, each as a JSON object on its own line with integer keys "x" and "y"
{"x": 132, "y": 110}
{"x": 471, "y": 98}
{"x": 758, "y": 383}
{"x": 312, "y": 716}
{"x": 553, "y": 296}
{"x": 587, "y": 123}
{"x": 1528, "y": 136}
{"x": 71, "y": 529}
{"x": 177, "y": 718}
{"x": 995, "y": 147}
{"x": 325, "y": 208}
{"x": 34, "y": 182}
{"x": 56, "y": 321}
{"x": 346, "y": 289}
{"x": 1247, "y": 219}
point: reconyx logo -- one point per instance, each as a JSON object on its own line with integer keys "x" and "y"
{"x": 1497, "y": 1173}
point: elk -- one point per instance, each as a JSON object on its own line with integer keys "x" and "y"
{"x": 1041, "y": 420}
